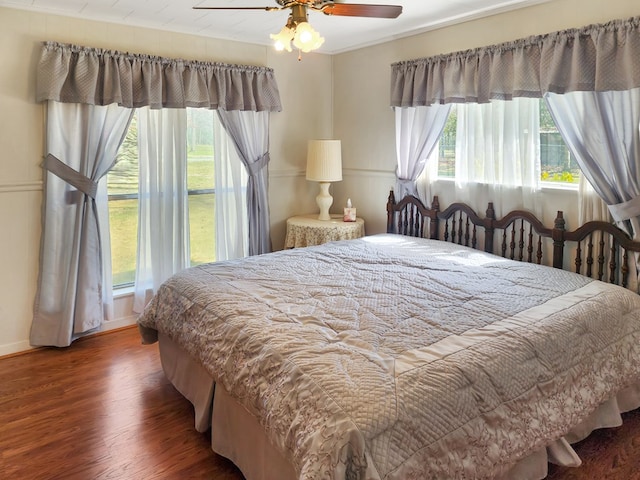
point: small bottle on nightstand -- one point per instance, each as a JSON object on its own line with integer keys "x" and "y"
{"x": 349, "y": 212}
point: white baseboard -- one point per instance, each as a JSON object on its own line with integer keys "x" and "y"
{"x": 23, "y": 346}
{"x": 16, "y": 347}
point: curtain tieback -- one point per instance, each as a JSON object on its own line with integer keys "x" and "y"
{"x": 258, "y": 165}
{"x": 71, "y": 176}
{"x": 406, "y": 187}
{"x": 625, "y": 210}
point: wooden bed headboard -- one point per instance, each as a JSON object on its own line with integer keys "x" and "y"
{"x": 599, "y": 250}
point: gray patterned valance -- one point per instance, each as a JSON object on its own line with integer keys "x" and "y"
{"x": 595, "y": 58}
{"x": 75, "y": 74}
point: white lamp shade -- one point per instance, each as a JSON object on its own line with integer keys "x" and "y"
{"x": 324, "y": 161}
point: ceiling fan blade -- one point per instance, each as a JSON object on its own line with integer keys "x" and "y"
{"x": 357, "y": 10}
{"x": 268, "y": 9}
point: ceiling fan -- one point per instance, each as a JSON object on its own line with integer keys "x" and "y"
{"x": 298, "y": 30}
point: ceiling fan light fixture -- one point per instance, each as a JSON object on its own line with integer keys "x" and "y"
{"x": 282, "y": 39}
{"x": 298, "y": 30}
{"x": 306, "y": 38}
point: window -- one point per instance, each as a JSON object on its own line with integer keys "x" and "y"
{"x": 122, "y": 186}
{"x": 557, "y": 164}
{"x": 200, "y": 182}
{"x": 447, "y": 147}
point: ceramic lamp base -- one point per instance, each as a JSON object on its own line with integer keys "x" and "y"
{"x": 324, "y": 201}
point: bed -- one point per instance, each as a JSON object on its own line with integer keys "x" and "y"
{"x": 441, "y": 349}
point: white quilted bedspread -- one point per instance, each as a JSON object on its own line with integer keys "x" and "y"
{"x": 392, "y": 357}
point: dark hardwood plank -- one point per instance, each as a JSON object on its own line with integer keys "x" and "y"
{"x": 102, "y": 409}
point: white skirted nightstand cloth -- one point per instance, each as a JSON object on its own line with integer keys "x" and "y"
{"x": 307, "y": 230}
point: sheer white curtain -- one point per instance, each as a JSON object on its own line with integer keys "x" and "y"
{"x": 231, "y": 218}
{"x": 498, "y": 154}
{"x": 163, "y": 211}
{"x": 417, "y": 132}
{"x": 82, "y": 144}
{"x": 590, "y": 205}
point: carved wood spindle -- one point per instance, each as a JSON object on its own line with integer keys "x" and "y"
{"x": 467, "y": 233}
{"x": 578, "y": 260}
{"x": 624, "y": 270}
{"x": 521, "y": 241}
{"x": 407, "y": 216}
{"x": 474, "y": 238}
{"x": 590, "y": 256}
{"x": 612, "y": 262}
{"x": 504, "y": 243}
{"x": 412, "y": 221}
{"x": 539, "y": 250}
{"x": 512, "y": 244}
{"x": 530, "y": 245}
{"x": 601, "y": 258}
{"x": 454, "y": 228}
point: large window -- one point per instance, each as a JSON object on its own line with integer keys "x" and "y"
{"x": 557, "y": 165}
{"x": 122, "y": 185}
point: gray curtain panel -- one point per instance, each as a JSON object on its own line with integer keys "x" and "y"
{"x": 602, "y": 130}
{"x": 250, "y": 134}
{"x": 82, "y": 141}
{"x": 418, "y": 130}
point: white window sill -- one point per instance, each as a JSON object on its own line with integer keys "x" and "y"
{"x": 569, "y": 187}
{"x": 119, "y": 292}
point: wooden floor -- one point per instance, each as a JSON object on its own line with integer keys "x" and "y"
{"x": 102, "y": 409}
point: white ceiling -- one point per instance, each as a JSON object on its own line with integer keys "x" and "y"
{"x": 254, "y": 26}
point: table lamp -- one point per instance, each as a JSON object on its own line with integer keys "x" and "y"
{"x": 324, "y": 165}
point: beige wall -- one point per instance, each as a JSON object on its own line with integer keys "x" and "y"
{"x": 345, "y": 96}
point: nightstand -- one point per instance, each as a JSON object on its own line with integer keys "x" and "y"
{"x": 307, "y": 230}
